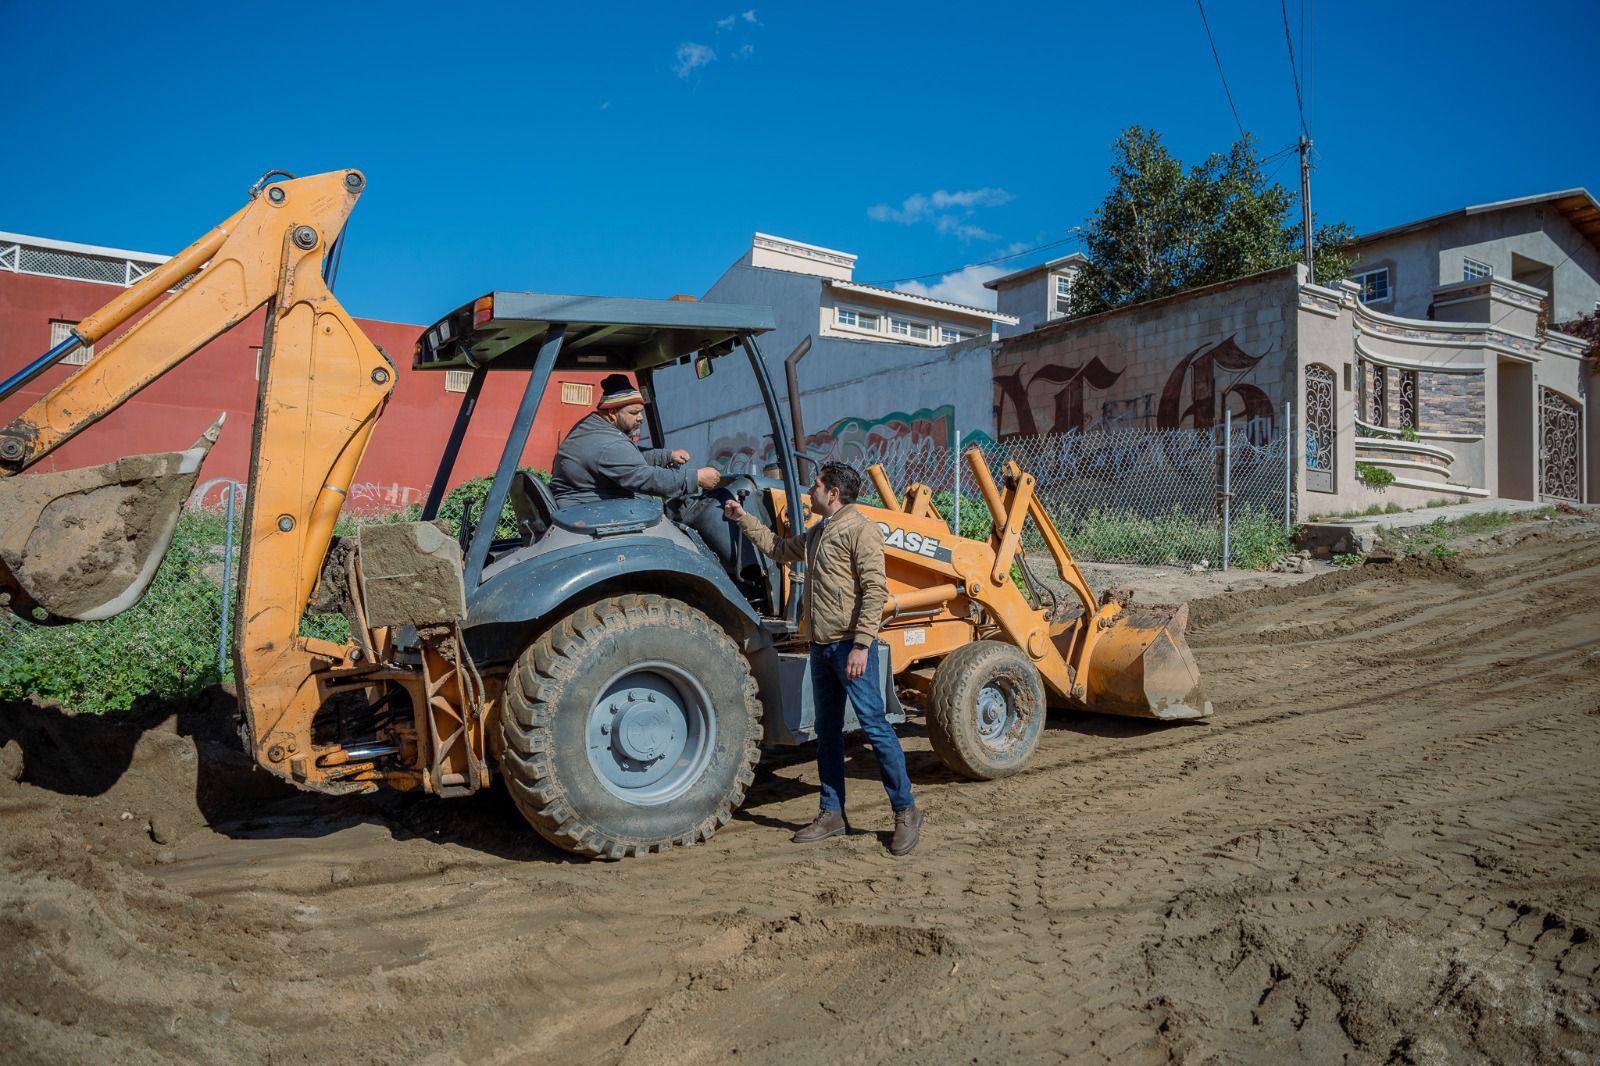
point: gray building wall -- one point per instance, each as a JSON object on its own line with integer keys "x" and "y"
{"x": 1424, "y": 259}
{"x": 850, "y": 389}
{"x": 1027, "y": 301}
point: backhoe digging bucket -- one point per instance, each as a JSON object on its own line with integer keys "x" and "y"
{"x": 82, "y": 545}
{"x": 1142, "y": 667}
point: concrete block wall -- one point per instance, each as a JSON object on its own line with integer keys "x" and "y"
{"x": 1167, "y": 364}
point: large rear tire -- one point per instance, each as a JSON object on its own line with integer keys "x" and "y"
{"x": 630, "y": 726}
{"x": 987, "y": 710}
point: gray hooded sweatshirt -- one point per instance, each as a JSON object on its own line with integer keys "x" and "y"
{"x": 598, "y": 462}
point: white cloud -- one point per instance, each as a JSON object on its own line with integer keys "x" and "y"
{"x": 727, "y": 23}
{"x": 964, "y": 286}
{"x": 745, "y": 51}
{"x": 750, "y": 17}
{"x": 691, "y": 57}
{"x": 954, "y": 227}
{"x": 947, "y": 211}
{"x": 737, "y": 17}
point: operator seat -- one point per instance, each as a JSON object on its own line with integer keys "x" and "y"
{"x": 536, "y": 511}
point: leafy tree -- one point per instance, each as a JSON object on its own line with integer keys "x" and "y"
{"x": 1163, "y": 229}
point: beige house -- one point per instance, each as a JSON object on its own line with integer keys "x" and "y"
{"x": 1549, "y": 242}
{"x": 855, "y": 311}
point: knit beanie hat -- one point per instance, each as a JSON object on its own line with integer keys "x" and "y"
{"x": 617, "y": 391}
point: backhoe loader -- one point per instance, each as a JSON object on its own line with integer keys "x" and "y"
{"x": 619, "y": 663}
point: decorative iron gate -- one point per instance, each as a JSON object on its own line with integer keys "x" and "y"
{"x": 1560, "y": 426}
{"x": 1320, "y": 439}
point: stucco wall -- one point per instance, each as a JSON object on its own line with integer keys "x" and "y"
{"x": 1428, "y": 258}
{"x": 1478, "y": 385}
{"x": 1027, "y": 301}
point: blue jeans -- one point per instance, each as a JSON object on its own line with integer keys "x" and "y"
{"x": 829, "y": 686}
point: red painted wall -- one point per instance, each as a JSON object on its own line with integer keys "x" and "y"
{"x": 172, "y": 412}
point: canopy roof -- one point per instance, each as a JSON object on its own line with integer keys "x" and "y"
{"x": 504, "y": 331}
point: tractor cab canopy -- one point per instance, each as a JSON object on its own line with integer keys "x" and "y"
{"x": 507, "y": 330}
{"x": 543, "y": 333}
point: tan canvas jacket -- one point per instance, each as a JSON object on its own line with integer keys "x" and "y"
{"x": 845, "y": 586}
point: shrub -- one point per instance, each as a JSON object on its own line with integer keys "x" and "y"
{"x": 474, "y": 494}
{"x": 1372, "y": 476}
{"x": 166, "y": 644}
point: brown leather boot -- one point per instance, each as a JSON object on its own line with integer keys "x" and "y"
{"x": 907, "y": 831}
{"x": 827, "y": 824}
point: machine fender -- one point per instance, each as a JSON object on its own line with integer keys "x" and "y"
{"x": 534, "y": 587}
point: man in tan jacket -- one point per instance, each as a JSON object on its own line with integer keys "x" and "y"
{"x": 845, "y": 590}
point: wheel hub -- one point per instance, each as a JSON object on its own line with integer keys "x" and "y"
{"x": 651, "y": 733}
{"x": 994, "y": 714}
{"x": 644, "y": 731}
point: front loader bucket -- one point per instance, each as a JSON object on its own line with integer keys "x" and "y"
{"x": 1141, "y": 666}
{"x": 82, "y": 545}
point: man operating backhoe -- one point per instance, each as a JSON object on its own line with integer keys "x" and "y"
{"x": 600, "y": 461}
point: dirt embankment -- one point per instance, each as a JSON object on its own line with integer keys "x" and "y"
{"x": 1385, "y": 847}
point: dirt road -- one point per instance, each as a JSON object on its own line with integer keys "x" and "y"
{"x": 1384, "y": 848}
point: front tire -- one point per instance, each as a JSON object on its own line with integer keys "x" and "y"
{"x": 630, "y": 726}
{"x": 987, "y": 710}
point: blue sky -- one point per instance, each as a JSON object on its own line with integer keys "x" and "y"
{"x": 632, "y": 148}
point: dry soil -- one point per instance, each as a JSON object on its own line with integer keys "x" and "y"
{"x": 1385, "y": 847}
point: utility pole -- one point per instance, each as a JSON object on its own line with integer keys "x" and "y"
{"x": 1305, "y": 199}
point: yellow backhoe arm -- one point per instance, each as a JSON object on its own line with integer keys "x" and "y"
{"x": 323, "y": 385}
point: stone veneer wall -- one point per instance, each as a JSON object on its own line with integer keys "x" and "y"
{"x": 1449, "y": 403}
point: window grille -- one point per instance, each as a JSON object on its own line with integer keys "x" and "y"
{"x": 60, "y": 331}
{"x": 577, "y": 393}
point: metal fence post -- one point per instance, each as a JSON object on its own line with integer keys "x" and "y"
{"x": 955, "y": 453}
{"x": 1288, "y": 468}
{"x": 1227, "y": 483}
{"x": 227, "y": 585}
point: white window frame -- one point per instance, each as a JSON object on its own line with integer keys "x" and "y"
{"x": 1063, "y": 294}
{"x": 1474, "y": 269}
{"x": 911, "y": 326}
{"x": 60, "y": 330}
{"x": 1388, "y": 285}
{"x": 855, "y": 316}
{"x": 955, "y": 336}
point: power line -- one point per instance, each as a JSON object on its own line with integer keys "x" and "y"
{"x": 1294, "y": 71}
{"x": 1214, "y": 55}
{"x": 1074, "y": 236}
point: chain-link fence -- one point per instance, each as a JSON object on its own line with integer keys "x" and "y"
{"x": 1218, "y": 497}
{"x": 1156, "y": 497}
{"x": 167, "y": 644}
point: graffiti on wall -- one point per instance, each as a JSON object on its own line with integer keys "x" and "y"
{"x": 1065, "y": 403}
{"x": 851, "y": 440}
{"x": 1200, "y": 369}
{"x": 1053, "y": 398}
{"x": 365, "y": 497}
